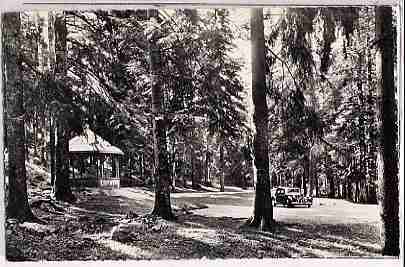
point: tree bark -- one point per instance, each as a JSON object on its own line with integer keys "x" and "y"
{"x": 306, "y": 173}
{"x": 142, "y": 166}
{"x": 332, "y": 187}
{"x": 162, "y": 205}
{"x": 52, "y": 64}
{"x": 193, "y": 168}
{"x": 387, "y": 152}
{"x": 263, "y": 208}
{"x": 17, "y": 206}
{"x": 52, "y": 149}
{"x": 173, "y": 162}
{"x": 35, "y": 133}
{"x": 207, "y": 167}
{"x": 62, "y": 190}
{"x": 207, "y": 161}
{"x": 222, "y": 163}
{"x": 184, "y": 160}
{"x": 310, "y": 172}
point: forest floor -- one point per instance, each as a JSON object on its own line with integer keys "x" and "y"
{"x": 116, "y": 225}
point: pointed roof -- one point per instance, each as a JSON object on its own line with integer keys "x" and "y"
{"x": 90, "y": 142}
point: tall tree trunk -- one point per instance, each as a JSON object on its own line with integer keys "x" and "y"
{"x": 316, "y": 181}
{"x": 222, "y": 166}
{"x": 44, "y": 160}
{"x": 184, "y": 165}
{"x": 173, "y": 153}
{"x": 332, "y": 189}
{"x": 52, "y": 64}
{"x": 207, "y": 161}
{"x": 306, "y": 173}
{"x": 388, "y": 153}
{"x": 310, "y": 172}
{"x": 331, "y": 179}
{"x": 52, "y": 149}
{"x": 193, "y": 168}
{"x": 43, "y": 59}
{"x": 35, "y": 133}
{"x": 344, "y": 189}
{"x": 263, "y": 208}
{"x": 207, "y": 167}
{"x": 174, "y": 174}
{"x": 142, "y": 166}
{"x": 17, "y": 206}
{"x": 349, "y": 189}
{"x": 162, "y": 206}
{"x": 62, "y": 188}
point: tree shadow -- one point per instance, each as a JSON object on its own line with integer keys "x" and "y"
{"x": 299, "y": 239}
{"x": 195, "y": 236}
{"x": 304, "y": 239}
{"x": 118, "y": 205}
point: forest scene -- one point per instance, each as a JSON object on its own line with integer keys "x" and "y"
{"x": 154, "y": 134}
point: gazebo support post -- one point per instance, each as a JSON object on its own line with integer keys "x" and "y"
{"x": 117, "y": 167}
{"x": 100, "y": 165}
{"x": 96, "y": 160}
{"x": 114, "y": 167}
{"x": 81, "y": 166}
{"x": 71, "y": 163}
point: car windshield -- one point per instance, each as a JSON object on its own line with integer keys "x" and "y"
{"x": 280, "y": 191}
{"x": 293, "y": 190}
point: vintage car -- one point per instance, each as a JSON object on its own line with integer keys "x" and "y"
{"x": 290, "y": 196}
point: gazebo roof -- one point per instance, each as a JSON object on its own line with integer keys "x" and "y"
{"x": 90, "y": 142}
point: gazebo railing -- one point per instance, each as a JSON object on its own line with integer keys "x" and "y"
{"x": 94, "y": 170}
{"x": 83, "y": 182}
{"x": 108, "y": 181}
{"x": 113, "y": 182}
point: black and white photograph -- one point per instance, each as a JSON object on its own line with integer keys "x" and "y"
{"x": 212, "y": 132}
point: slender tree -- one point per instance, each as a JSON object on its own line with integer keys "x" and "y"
{"x": 222, "y": 166}
{"x": 52, "y": 65}
{"x": 388, "y": 153}
{"x": 61, "y": 184}
{"x": 17, "y": 206}
{"x": 162, "y": 206}
{"x": 263, "y": 209}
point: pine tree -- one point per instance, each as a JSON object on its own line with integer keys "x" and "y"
{"x": 17, "y": 206}
{"x": 263, "y": 209}
{"x": 62, "y": 189}
{"x": 387, "y": 151}
{"x": 162, "y": 206}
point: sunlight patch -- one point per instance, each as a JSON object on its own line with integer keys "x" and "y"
{"x": 322, "y": 248}
{"x": 207, "y": 236}
{"x": 374, "y": 246}
{"x": 294, "y": 230}
{"x": 126, "y": 249}
{"x": 194, "y": 224}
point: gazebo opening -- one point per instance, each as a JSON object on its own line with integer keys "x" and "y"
{"x": 94, "y": 162}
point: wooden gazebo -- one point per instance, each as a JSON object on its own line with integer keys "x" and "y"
{"x": 94, "y": 162}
